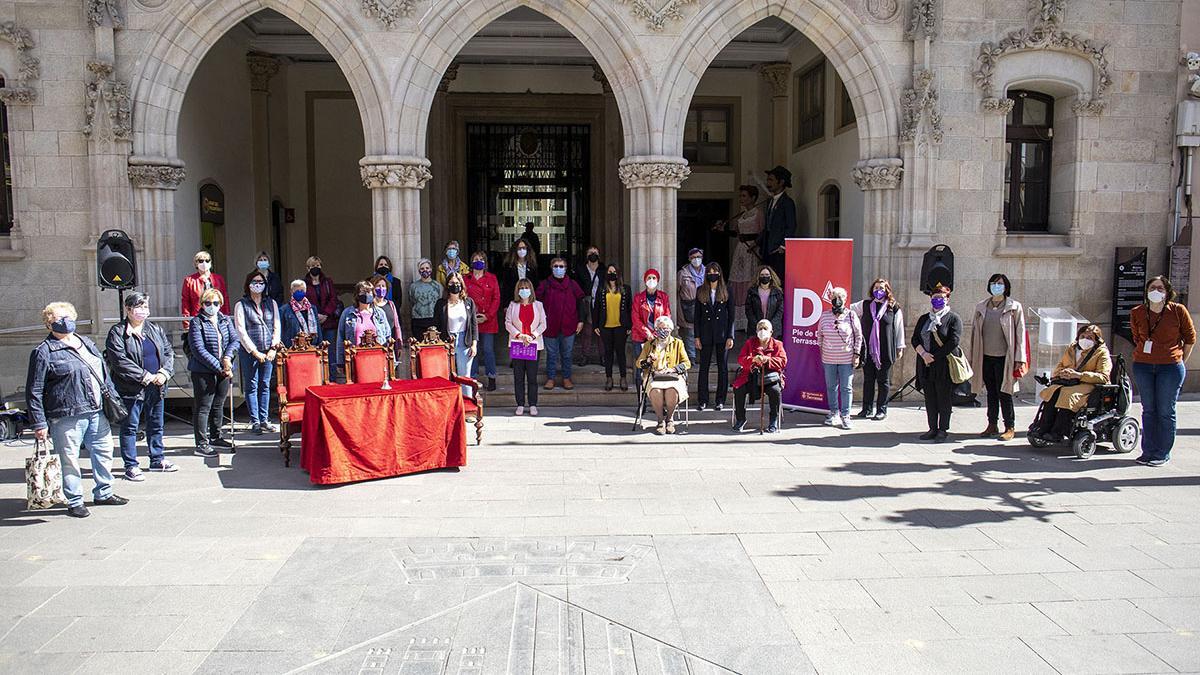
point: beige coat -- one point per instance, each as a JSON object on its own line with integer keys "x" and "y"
{"x": 1092, "y": 373}
{"x": 1013, "y": 323}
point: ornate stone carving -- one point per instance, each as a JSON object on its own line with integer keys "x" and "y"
{"x": 394, "y": 172}
{"x": 598, "y": 75}
{"x": 657, "y": 16}
{"x": 878, "y": 174}
{"x": 918, "y": 103}
{"x": 150, "y": 5}
{"x": 161, "y": 176}
{"x": 108, "y": 96}
{"x": 1046, "y": 34}
{"x": 101, "y": 11}
{"x": 777, "y": 76}
{"x": 1191, "y": 61}
{"x": 653, "y": 172}
{"x": 20, "y": 89}
{"x": 923, "y": 23}
{"x": 389, "y": 13}
{"x": 883, "y": 11}
{"x": 998, "y": 106}
{"x": 449, "y": 76}
{"x": 262, "y": 68}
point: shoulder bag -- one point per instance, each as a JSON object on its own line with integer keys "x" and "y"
{"x": 960, "y": 367}
{"x": 112, "y": 405}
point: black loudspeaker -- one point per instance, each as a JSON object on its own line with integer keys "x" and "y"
{"x": 937, "y": 268}
{"x": 116, "y": 261}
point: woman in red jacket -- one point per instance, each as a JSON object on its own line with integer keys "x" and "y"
{"x": 763, "y": 358}
{"x": 195, "y": 284}
{"x": 484, "y": 289}
{"x": 649, "y": 304}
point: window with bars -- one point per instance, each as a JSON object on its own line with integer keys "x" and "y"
{"x": 6, "y": 193}
{"x": 1029, "y": 135}
{"x": 845, "y": 106}
{"x": 831, "y": 211}
{"x": 810, "y": 104}
{"x": 706, "y": 135}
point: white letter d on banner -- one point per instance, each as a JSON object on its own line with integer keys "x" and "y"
{"x": 806, "y": 308}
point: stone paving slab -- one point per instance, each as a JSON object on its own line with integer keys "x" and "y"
{"x": 571, "y": 544}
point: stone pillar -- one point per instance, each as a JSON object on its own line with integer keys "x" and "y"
{"x": 154, "y": 181}
{"x": 920, "y": 134}
{"x": 653, "y": 182}
{"x": 262, "y": 68}
{"x": 778, "y": 76}
{"x": 879, "y": 180}
{"x": 396, "y": 183}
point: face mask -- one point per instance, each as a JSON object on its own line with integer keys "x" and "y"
{"x": 764, "y": 334}
{"x": 211, "y": 310}
{"x": 203, "y": 266}
{"x": 363, "y": 298}
{"x": 1156, "y": 296}
{"x": 380, "y": 292}
{"x": 612, "y": 276}
{"x": 651, "y": 284}
{"x": 593, "y": 257}
{"x": 837, "y": 305}
{"x": 141, "y": 313}
{"x": 478, "y": 265}
{"x": 298, "y": 295}
{"x": 525, "y": 293}
{"x": 1086, "y": 343}
{"x": 454, "y": 288}
{"x": 314, "y": 271}
{"x": 451, "y": 254}
{"x": 64, "y": 325}
{"x": 697, "y": 262}
{"x": 764, "y": 281}
{"x": 712, "y": 278}
{"x": 662, "y": 333}
{"x": 425, "y": 274}
{"x": 383, "y": 270}
{"x": 560, "y": 272}
{"x": 521, "y": 252}
{"x": 996, "y": 289}
{"x": 938, "y": 304}
{"x": 263, "y": 265}
{"x": 879, "y": 294}
{"x": 257, "y": 287}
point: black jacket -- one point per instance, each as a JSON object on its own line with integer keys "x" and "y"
{"x": 508, "y": 284}
{"x": 123, "y": 352}
{"x": 779, "y": 224}
{"x": 584, "y": 278}
{"x": 600, "y": 309}
{"x": 442, "y": 321}
{"x": 59, "y": 383}
{"x": 951, "y": 334}
{"x": 714, "y": 320}
{"x": 774, "y": 314}
{"x": 274, "y": 289}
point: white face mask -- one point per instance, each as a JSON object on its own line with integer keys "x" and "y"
{"x": 764, "y": 334}
{"x": 697, "y": 262}
{"x": 651, "y": 284}
{"x": 1156, "y": 296}
{"x": 1086, "y": 343}
{"x": 203, "y": 266}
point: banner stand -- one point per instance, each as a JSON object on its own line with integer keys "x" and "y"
{"x": 814, "y": 267}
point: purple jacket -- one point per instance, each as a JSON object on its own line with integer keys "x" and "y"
{"x": 561, "y": 299}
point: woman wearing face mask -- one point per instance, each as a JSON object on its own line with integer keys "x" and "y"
{"x": 998, "y": 354}
{"x": 590, "y": 277}
{"x": 299, "y": 316}
{"x": 141, "y": 360}
{"x": 455, "y": 316}
{"x": 764, "y": 300}
{"x": 451, "y": 263}
{"x": 688, "y": 282}
{"x": 561, "y": 297}
{"x": 525, "y": 321}
{"x": 380, "y": 286}
{"x": 63, "y": 389}
{"x": 424, "y": 294}
{"x": 196, "y": 283}
{"x": 360, "y": 318}
{"x": 714, "y": 334}
{"x": 1085, "y": 364}
{"x": 613, "y": 319}
{"x": 395, "y": 290}
{"x": 323, "y": 296}
{"x": 936, "y": 336}
{"x": 1163, "y": 338}
{"x": 762, "y": 356}
{"x": 664, "y": 361}
{"x": 883, "y": 345}
{"x": 839, "y": 335}
{"x": 649, "y": 304}
{"x": 213, "y": 343}
{"x": 256, "y": 318}
{"x": 484, "y": 289}
{"x": 520, "y": 263}
{"x": 274, "y": 284}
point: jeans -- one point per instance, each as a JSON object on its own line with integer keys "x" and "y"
{"x": 486, "y": 357}
{"x": 710, "y": 351}
{"x": 329, "y": 335}
{"x": 876, "y": 380}
{"x": 150, "y": 409}
{"x": 256, "y": 385}
{"x": 997, "y": 401}
{"x": 613, "y": 350}
{"x": 462, "y": 362}
{"x": 558, "y": 350}
{"x": 838, "y": 379}
{"x": 1158, "y": 385}
{"x": 688, "y": 335}
{"x": 525, "y": 384}
{"x": 68, "y": 434}
{"x": 209, "y": 391}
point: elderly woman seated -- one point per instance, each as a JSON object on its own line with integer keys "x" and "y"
{"x": 1085, "y": 364}
{"x": 664, "y": 360}
{"x": 762, "y": 362}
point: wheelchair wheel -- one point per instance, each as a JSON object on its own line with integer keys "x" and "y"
{"x": 1084, "y": 444}
{"x": 1126, "y": 435}
{"x": 1036, "y": 440}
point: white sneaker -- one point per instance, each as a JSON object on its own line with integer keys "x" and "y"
{"x": 520, "y": 410}
{"x": 533, "y": 410}
{"x": 832, "y": 421}
{"x": 846, "y": 423}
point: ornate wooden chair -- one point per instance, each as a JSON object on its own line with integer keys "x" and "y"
{"x": 431, "y": 356}
{"x": 300, "y": 366}
{"x": 370, "y": 361}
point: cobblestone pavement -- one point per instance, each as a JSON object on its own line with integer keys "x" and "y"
{"x": 570, "y": 544}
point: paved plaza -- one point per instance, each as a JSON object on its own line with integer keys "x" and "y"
{"x": 570, "y": 544}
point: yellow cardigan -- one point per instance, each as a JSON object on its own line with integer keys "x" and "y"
{"x": 667, "y": 358}
{"x": 1092, "y": 373}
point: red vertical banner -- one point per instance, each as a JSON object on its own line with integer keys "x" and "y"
{"x": 814, "y": 267}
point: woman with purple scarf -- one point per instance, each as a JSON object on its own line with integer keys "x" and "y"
{"x": 883, "y": 344}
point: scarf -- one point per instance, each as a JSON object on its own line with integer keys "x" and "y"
{"x": 300, "y": 309}
{"x": 935, "y": 319}
{"x": 873, "y": 346}
{"x": 697, "y": 274}
{"x": 450, "y": 267}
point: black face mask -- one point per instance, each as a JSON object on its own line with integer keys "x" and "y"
{"x": 364, "y": 298}
{"x": 454, "y": 288}
{"x": 764, "y": 281}
{"x": 712, "y": 278}
{"x": 593, "y": 257}
{"x": 314, "y": 271}
{"x": 612, "y": 276}
{"x": 837, "y": 305}
{"x": 383, "y": 271}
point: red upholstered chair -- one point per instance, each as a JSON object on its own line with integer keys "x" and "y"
{"x": 370, "y": 361}
{"x": 300, "y": 366}
{"x": 433, "y": 357}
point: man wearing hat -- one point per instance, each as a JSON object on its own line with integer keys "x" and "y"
{"x": 690, "y": 277}
{"x": 780, "y": 220}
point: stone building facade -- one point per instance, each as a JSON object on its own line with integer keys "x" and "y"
{"x": 118, "y": 111}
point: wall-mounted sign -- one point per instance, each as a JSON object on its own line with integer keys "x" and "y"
{"x": 212, "y": 204}
{"x": 1129, "y": 285}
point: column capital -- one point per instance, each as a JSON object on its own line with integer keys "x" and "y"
{"x": 778, "y": 76}
{"x": 394, "y": 171}
{"x": 262, "y": 68}
{"x": 641, "y": 171}
{"x": 163, "y": 173}
{"x": 878, "y": 174}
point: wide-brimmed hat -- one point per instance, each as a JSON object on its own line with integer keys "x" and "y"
{"x": 781, "y": 174}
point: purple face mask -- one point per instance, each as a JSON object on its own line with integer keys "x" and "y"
{"x": 879, "y": 294}
{"x": 938, "y": 303}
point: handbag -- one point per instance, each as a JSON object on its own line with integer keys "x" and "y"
{"x": 960, "y": 367}
{"x": 114, "y": 408}
{"x": 523, "y": 352}
{"x": 43, "y": 479}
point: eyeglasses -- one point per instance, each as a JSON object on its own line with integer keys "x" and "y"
{"x": 211, "y": 303}
{"x": 200, "y": 260}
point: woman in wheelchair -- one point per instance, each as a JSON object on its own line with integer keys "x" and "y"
{"x": 1085, "y": 364}
{"x": 664, "y": 361}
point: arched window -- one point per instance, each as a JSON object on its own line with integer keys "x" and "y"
{"x": 1029, "y": 134}
{"x": 831, "y": 211}
{"x": 6, "y": 196}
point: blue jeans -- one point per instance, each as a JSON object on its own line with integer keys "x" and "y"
{"x": 150, "y": 409}
{"x": 256, "y": 386}
{"x": 68, "y": 434}
{"x": 1158, "y": 385}
{"x": 688, "y": 335}
{"x": 558, "y": 350}
{"x": 462, "y": 362}
{"x": 838, "y": 388}
{"x": 486, "y": 355}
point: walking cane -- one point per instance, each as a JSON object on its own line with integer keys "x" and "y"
{"x": 232, "y": 435}
{"x": 762, "y": 401}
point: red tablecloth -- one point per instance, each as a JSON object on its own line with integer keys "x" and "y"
{"x": 358, "y": 431}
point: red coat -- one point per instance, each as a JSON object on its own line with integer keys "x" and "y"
{"x": 644, "y": 315}
{"x": 485, "y": 291}
{"x": 324, "y": 299}
{"x": 193, "y": 286}
{"x": 772, "y": 349}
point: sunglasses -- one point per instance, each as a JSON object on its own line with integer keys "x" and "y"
{"x": 210, "y": 303}
{"x": 200, "y": 260}
{"x": 559, "y": 267}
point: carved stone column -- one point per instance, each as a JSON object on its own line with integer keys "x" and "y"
{"x": 879, "y": 179}
{"x": 262, "y": 68}
{"x": 920, "y": 134}
{"x": 154, "y": 181}
{"x": 778, "y": 76}
{"x": 396, "y": 183}
{"x": 653, "y": 182}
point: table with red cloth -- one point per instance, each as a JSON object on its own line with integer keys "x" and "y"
{"x": 358, "y": 432}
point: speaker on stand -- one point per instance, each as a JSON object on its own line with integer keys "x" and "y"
{"x": 116, "y": 264}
